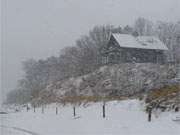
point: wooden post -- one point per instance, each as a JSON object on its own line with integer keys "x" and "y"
{"x": 74, "y": 111}
{"x": 42, "y": 109}
{"x": 34, "y": 108}
{"x": 56, "y": 110}
{"x": 176, "y": 109}
{"x": 149, "y": 113}
{"x": 27, "y": 108}
{"x": 103, "y": 110}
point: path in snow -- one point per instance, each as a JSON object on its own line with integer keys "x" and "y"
{"x": 15, "y": 130}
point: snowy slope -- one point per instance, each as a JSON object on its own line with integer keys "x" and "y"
{"x": 116, "y": 80}
{"x": 122, "y": 117}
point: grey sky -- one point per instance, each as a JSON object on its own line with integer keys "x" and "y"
{"x": 40, "y": 28}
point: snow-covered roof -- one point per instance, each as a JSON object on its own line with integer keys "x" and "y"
{"x": 141, "y": 42}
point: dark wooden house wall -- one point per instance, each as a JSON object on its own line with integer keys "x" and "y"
{"x": 113, "y": 53}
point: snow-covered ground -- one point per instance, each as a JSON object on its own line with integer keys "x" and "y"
{"x": 122, "y": 117}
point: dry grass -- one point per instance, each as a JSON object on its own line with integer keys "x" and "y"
{"x": 85, "y": 99}
{"x": 164, "y": 92}
{"x": 154, "y": 94}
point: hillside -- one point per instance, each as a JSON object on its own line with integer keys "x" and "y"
{"x": 113, "y": 81}
{"x": 126, "y": 89}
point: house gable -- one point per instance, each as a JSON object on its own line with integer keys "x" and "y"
{"x": 111, "y": 46}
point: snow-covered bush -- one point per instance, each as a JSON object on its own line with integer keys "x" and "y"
{"x": 112, "y": 81}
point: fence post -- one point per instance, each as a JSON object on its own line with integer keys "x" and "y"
{"x": 27, "y": 108}
{"x": 56, "y": 110}
{"x": 176, "y": 109}
{"x": 149, "y": 113}
{"x": 103, "y": 110}
{"x": 34, "y": 108}
{"x": 74, "y": 111}
{"x": 42, "y": 109}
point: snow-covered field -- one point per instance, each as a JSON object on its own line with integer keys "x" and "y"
{"x": 122, "y": 117}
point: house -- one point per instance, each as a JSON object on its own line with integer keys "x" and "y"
{"x": 127, "y": 48}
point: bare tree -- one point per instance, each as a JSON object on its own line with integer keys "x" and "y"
{"x": 143, "y": 27}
